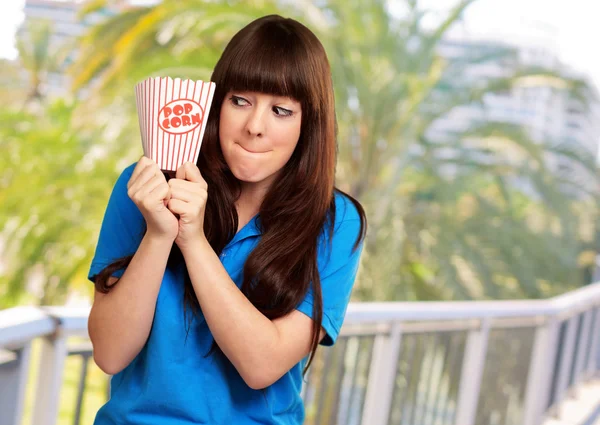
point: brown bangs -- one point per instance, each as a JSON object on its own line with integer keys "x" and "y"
{"x": 268, "y": 62}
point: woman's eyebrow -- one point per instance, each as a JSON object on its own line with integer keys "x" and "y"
{"x": 287, "y": 99}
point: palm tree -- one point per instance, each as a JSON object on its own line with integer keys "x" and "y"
{"x": 39, "y": 56}
{"x": 453, "y": 211}
{"x": 175, "y": 38}
{"x": 64, "y": 156}
{"x": 55, "y": 184}
{"x": 13, "y": 88}
{"x": 449, "y": 211}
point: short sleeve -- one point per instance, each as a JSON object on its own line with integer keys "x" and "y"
{"x": 122, "y": 228}
{"x": 338, "y": 265}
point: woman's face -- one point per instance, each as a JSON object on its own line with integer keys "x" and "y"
{"x": 258, "y": 134}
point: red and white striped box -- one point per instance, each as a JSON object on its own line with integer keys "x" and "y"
{"x": 172, "y": 115}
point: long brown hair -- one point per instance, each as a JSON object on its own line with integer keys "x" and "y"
{"x": 282, "y": 57}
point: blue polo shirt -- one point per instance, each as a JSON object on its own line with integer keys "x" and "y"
{"x": 171, "y": 382}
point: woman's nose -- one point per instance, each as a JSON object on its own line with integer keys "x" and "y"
{"x": 255, "y": 126}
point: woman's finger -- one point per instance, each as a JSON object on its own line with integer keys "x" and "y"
{"x": 177, "y": 206}
{"x": 190, "y": 172}
{"x": 183, "y": 194}
{"x": 140, "y": 166}
{"x": 162, "y": 191}
{"x": 152, "y": 184}
{"x": 145, "y": 176}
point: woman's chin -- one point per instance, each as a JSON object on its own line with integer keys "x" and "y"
{"x": 248, "y": 176}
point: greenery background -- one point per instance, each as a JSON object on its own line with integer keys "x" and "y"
{"x": 470, "y": 234}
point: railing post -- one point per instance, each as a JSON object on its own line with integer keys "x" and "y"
{"x": 566, "y": 361}
{"x": 582, "y": 345}
{"x": 541, "y": 367}
{"x": 592, "y": 367}
{"x": 50, "y": 378}
{"x": 382, "y": 377}
{"x": 24, "y": 367}
{"x": 11, "y": 403}
{"x": 472, "y": 373}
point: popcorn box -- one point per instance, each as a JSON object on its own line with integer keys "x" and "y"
{"x": 172, "y": 114}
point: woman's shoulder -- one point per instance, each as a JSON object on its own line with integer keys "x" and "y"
{"x": 348, "y": 230}
{"x": 349, "y": 219}
{"x": 123, "y": 179}
{"x": 119, "y": 199}
{"x": 345, "y": 208}
{"x": 128, "y": 171}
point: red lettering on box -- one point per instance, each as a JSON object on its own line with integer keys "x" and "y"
{"x": 180, "y": 116}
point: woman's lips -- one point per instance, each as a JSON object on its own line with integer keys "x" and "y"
{"x": 250, "y": 151}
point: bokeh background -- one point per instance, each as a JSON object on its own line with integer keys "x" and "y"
{"x": 469, "y": 130}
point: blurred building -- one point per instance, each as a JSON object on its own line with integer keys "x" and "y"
{"x": 543, "y": 107}
{"x": 67, "y": 25}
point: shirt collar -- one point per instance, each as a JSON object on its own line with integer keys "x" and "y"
{"x": 252, "y": 228}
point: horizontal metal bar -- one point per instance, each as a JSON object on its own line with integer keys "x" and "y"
{"x": 22, "y": 324}
{"x": 7, "y": 357}
{"x": 365, "y": 329}
{"x": 573, "y": 302}
{"x": 411, "y": 327}
{"x": 442, "y": 326}
{"x": 444, "y": 310}
{"x": 73, "y": 320}
{"x": 518, "y": 322}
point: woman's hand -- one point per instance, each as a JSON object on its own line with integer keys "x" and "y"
{"x": 189, "y": 193}
{"x": 148, "y": 189}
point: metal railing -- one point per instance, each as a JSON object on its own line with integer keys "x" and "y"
{"x": 395, "y": 363}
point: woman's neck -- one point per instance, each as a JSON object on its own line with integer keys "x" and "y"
{"x": 249, "y": 202}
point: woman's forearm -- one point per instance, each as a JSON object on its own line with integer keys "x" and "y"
{"x": 246, "y": 336}
{"x": 120, "y": 321}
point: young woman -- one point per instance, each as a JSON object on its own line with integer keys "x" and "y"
{"x": 215, "y": 287}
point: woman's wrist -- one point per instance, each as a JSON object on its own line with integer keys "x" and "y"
{"x": 199, "y": 243}
{"x": 158, "y": 238}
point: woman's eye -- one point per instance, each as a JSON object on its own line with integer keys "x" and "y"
{"x": 282, "y": 111}
{"x": 238, "y": 101}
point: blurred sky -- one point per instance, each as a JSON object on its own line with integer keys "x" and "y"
{"x": 570, "y": 28}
